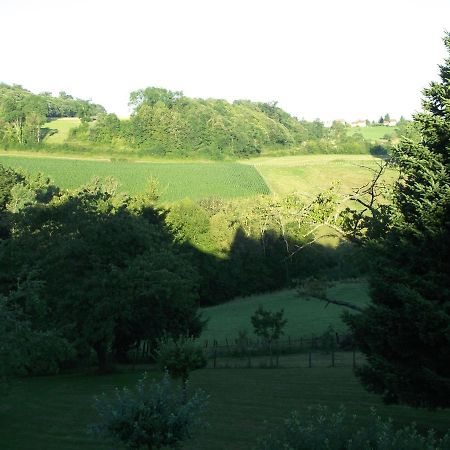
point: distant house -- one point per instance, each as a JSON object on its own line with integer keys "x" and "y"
{"x": 358, "y": 123}
{"x": 390, "y": 122}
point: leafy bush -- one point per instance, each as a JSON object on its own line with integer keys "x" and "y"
{"x": 180, "y": 356}
{"x": 151, "y": 416}
{"x": 325, "y": 430}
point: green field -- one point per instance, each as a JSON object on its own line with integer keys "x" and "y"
{"x": 372, "y": 133}
{"x": 53, "y": 413}
{"x": 176, "y": 180}
{"x": 306, "y": 175}
{"x": 58, "y": 130}
{"x": 305, "y": 317}
{"x": 309, "y": 175}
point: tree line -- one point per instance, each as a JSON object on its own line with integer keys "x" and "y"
{"x": 167, "y": 123}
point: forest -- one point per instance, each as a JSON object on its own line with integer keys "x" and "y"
{"x": 165, "y": 123}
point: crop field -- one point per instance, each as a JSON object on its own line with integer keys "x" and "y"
{"x": 305, "y": 317}
{"x": 176, "y": 180}
{"x": 59, "y": 129}
{"x": 309, "y": 175}
{"x": 53, "y": 413}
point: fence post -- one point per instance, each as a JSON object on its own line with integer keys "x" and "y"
{"x": 215, "y": 353}
{"x": 277, "y": 356}
{"x": 310, "y": 358}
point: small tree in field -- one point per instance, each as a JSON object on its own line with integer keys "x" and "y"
{"x": 269, "y": 326}
{"x": 152, "y": 416}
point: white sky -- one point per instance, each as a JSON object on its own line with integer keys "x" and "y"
{"x": 322, "y": 59}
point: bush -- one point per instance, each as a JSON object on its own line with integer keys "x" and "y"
{"x": 180, "y": 356}
{"x": 152, "y": 416}
{"x": 325, "y": 430}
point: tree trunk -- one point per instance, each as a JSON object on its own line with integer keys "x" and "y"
{"x": 102, "y": 357}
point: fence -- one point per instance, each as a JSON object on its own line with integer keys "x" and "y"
{"x": 328, "y": 350}
{"x": 300, "y": 352}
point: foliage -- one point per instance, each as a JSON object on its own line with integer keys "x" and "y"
{"x": 151, "y": 416}
{"x": 267, "y": 324}
{"x": 109, "y": 273}
{"x": 166, "y": 123}
{"x": 326, "y": 430}
{"x": 27, "y": 346}
{"x": 404, "y": 333}
{"x": 179, "y": 356}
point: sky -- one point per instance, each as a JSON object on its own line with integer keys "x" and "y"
{"x": 326, "y": 59}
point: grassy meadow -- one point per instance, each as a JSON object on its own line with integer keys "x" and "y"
{"x": 310, "y": 174}
{"x": 372, "y": 133}
{"x": 305, "y": 316}
{"x": 53, "y": 413}
{"x": 58, "y": 130}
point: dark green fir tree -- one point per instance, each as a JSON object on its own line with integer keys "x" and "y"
{"x": 405, "y": 332}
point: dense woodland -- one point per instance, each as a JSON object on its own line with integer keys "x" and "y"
{"x": 166, "y": 123}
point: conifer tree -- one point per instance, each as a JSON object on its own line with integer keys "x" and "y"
{"x": 405, "y": 332}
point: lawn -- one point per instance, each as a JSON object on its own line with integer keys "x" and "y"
{"x": 305, "y": 317}
{"x": 176, "y": 180}
{"x": 53, "y": 413}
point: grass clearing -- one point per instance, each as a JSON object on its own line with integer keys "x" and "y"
{"x": 305, "y": 317}
{"x": 59, "y": 129}
{"x": 176, "y": 180}
{"x": 53, "y": 413}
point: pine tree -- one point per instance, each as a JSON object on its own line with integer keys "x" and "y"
{"x": 405, "y": 332}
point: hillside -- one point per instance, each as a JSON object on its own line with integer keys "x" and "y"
{"x": 305, "y": 317}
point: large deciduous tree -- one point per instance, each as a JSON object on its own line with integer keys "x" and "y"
{"x": 109, "y": 272}
{"x": 405, "y": 332}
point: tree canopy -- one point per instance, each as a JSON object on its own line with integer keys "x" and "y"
{"x": 108, "y": 273}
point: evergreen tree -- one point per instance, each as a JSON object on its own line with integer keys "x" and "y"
{"x": 405, "y": 332}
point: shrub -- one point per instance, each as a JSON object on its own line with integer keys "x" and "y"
{"x": 151, "y": 416}
{"x": 180, "y": 356}
{"x": 325, "y": 430}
